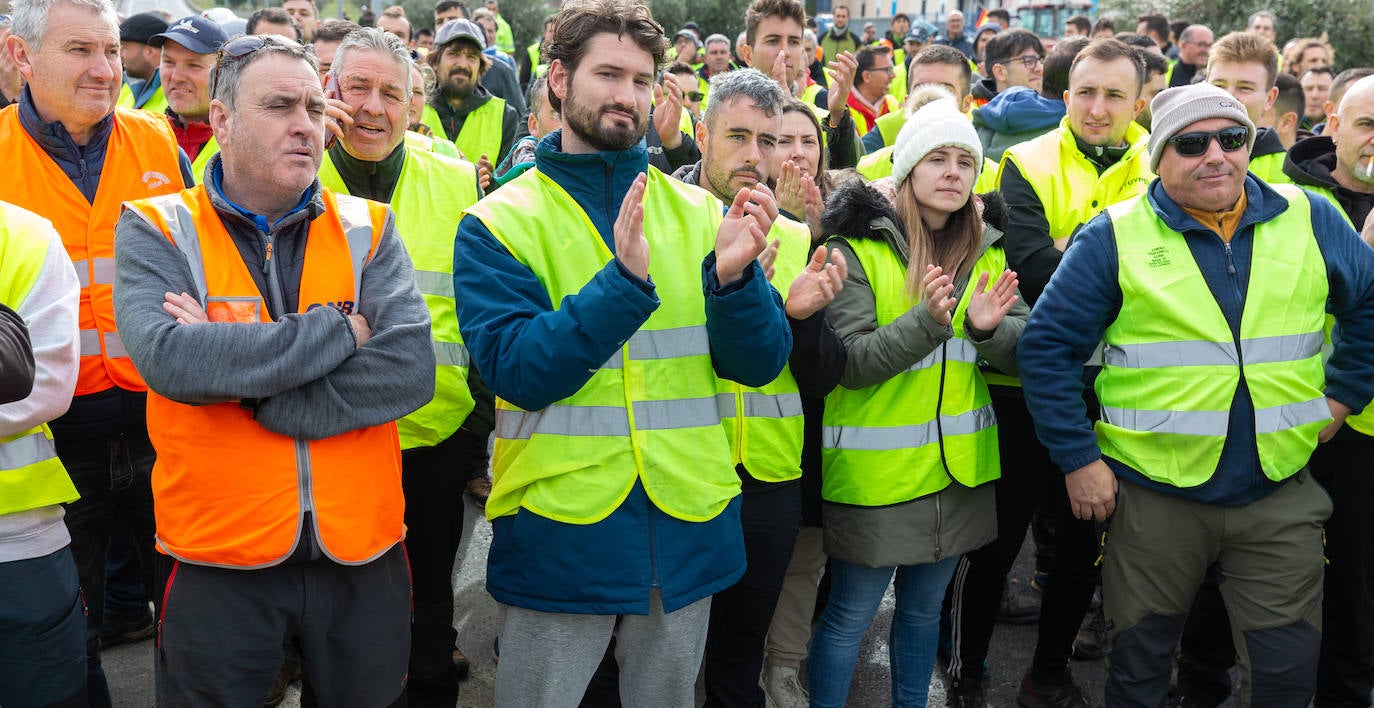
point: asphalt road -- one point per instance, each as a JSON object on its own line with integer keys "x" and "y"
{"x": 129, "y": 667}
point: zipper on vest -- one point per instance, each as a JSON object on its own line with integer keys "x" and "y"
{"x": 939, "y": 407}
{"x": 276, "y": 303}
{"x": 1230, "y": 262}
{"x": 304, "y": 494}
{"x": 1240, "y": 353}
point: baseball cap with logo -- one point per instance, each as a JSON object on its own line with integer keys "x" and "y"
{"x": 454, "y": 30}
{"x": 921, "y": 32}
{"x": 141, "y": 27}
{"x": 198, "y": 34}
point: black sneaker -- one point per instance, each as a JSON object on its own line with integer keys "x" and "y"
{"x": 1018, "y": 606}
{"x": 967, "y": 693}
{"x": 1063, "y": 695}
{"x": 126, "y": 630}
{"x": 1091, "y": 642}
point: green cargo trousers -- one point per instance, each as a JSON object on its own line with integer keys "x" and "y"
{"x": 1269, "y": 556}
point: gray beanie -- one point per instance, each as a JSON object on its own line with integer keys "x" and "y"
{"x": 1181, "y": 106}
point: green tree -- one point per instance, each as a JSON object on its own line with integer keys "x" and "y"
{"x": 713, "y": 16}
{"x": 1347, "y": 23}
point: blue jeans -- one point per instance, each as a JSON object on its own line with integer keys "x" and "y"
{"x": 855, "y": 592}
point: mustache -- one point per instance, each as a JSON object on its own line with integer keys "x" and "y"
{"x": 748, "y": 171}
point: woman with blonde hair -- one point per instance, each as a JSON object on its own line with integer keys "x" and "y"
{"x": 910, "y": 439}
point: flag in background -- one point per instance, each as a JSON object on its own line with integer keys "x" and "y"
{"x": 982, "y": 18}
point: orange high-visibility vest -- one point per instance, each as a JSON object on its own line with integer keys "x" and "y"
{"x": 228, "y": 492}
{"x": 140, "y": 161}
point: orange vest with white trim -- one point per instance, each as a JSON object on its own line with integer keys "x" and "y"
{"x": 141, "y": 160}
{"x": 228, "y": 492}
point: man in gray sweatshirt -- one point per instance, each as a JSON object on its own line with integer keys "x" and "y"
{"x": 277, "y": 366}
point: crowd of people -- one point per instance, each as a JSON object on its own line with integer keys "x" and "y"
{"x": 697, "y": 321}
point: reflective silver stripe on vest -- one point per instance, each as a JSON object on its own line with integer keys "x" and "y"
{"x": 90, "y": 342}
{"x": 725, "y": 405}
{"x": 562, "y": 420}
{"x": 1258, "y": 350}
{"x": 357, "y": 227}
{"x": 1211, "y": 423}
{"x": 183, "y": 232}
{"x": 83, "y": 272}
{"x": 432, "y": 282}
{"x": 780, "y": 405}
{"x": 955, "y": 349}
{"x": 25, "y": 451}
{"x": 450, "y": 354}
{"x": 676, "y": 413}
{"x": 908, "y": 436}
{"x": 1291, "y": 415}
{"x": 104, "y": 271}
{"x": 114, "y": 346}
{"x": 674, "y": 343}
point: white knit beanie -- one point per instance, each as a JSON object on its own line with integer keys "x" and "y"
{"x": 1181, "y": 106}
{"x": 935, "y": 123}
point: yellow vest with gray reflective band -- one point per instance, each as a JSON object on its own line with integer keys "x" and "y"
{"x": 767, "y": 439}
{"x": 915, "y": 433}
{"x": 429, "y": 199}
{"x": 1171, "y": 367}
{"x": 1067, "y": 183}
{"x": 31, "y": 476}
{"x": 649, "y": 412}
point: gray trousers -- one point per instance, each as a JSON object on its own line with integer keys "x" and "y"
{"x": 222, "y": 633}
{"x": 1269, "y": 555}
{"x": 547, "y": 658}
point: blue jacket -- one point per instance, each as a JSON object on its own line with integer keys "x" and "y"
{"x": 533, "y": 355}
{"x": 1014, "y": 116}
{"x": 1083, "y": 297}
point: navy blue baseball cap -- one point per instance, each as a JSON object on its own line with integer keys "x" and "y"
{"x": 196, "y": 33}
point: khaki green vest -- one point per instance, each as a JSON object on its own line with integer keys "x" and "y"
{"x": 207, "y": 151}
{"x": 31, "y": 476}
{"x": 1067, "y": 183}
{"x": 915, "y": 433}
{"x": 1270, "y": 168}
{"x": 767, "y": 438}
{"x": 428, "y": 201}
{"x": 1171, "y": 367}
{"x": 481, "y": 133}
{"x": 649, "y": 412}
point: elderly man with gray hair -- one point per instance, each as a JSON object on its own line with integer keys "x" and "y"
{"x": 444, "y": 443}
{"x": 1211, "y": 292}
{"x": 281, "y": 335}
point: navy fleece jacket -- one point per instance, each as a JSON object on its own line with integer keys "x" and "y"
{"x": 1083, "y": 298}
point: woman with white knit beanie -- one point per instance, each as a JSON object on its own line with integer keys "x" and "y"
{"x": 910, "y": 440}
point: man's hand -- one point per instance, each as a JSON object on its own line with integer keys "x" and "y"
{"x": 630, "y": 245}
{"x": 1339, "y": 412}
{"x": 844, "y": 67}
{"x": 362, "y": 331}
{"x": 938, "y": 287}
{"x": 1367, "y": 233}
{"x": 184, "y": 308}
{"x": 781, "y": 72}
{"x": 1092, "y": 491}
{"x": 817, "y": 285}
{"x": 668, "y": 113}
{"x": 742, "y": 233}
{"x": 986, "y": 308}
{"x": 338, "y": 118}
{"x": 768, "y": 258}
{"x": 484, "y": 172}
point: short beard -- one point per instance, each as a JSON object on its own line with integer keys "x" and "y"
{"x": 586, "y": 124}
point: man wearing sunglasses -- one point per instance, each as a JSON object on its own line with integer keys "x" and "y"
{"x": 1014, "y": 58}
{"x": 282, "y": 335}
{"x": 1210, "y": 293}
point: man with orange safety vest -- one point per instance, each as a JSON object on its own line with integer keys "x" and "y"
{"x": 72, "y": 158}
{"x": 282, "y": 335}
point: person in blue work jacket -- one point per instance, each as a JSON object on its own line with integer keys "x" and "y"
{"x": 1210, "y": 292}
{"x": 615, "y": 503}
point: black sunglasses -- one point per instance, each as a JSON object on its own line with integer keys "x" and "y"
{"x": 236, "y": 48}
{"x": 1193, "y": 144}
{"x": 695, "y": 96}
